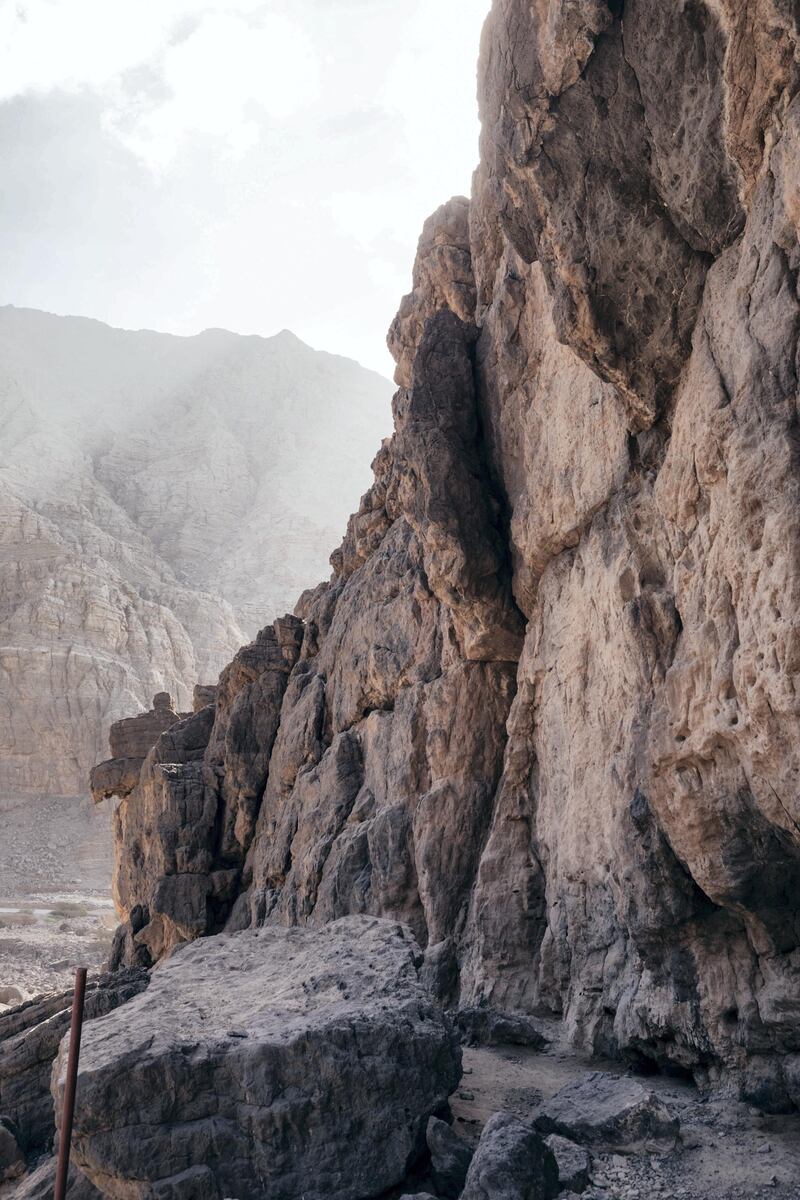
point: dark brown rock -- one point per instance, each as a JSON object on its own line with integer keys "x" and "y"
{"x": 131, "y": 740}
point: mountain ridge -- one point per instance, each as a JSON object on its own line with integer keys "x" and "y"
{"x": 176, "y": 472}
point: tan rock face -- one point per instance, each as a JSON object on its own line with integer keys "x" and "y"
{"x": 544, "y": 711}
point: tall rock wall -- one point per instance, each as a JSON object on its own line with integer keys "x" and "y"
{"x": 545, "y": 710}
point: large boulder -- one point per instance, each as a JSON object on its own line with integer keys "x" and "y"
{"x": 610, "y": 1111}
{"x": 512, "y": 1162}
{"x": 282, "y": 1062}
{"x": 489, "y": 1027}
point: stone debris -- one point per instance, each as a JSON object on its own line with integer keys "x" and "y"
{"x": 610, "y": 1111}
{"x": 511, "y": 1162}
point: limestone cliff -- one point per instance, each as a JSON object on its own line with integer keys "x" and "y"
{"x": 545, "y": 711}
{"x": 156, "y": 492}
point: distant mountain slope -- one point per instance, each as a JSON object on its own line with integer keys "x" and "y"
{"x": 160, "y": 499}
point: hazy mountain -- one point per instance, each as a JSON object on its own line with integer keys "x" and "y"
{"x": 160, "y": 499}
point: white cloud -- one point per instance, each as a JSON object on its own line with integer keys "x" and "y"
{"x": 46, "y": 44}
{"x": 215, "y": 68}
{"x": 251, "y": 164}
{"x": 223, "y": 80}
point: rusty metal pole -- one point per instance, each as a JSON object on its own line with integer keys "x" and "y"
{"x": 65, "y": 1132}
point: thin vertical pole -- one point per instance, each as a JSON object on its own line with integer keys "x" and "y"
{"x": 65, "y": 1132}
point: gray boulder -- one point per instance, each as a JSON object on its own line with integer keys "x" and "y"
{"x": 286, "y": 1062}
{"x": 611, "y": 1111}
{"x": 573, "y": 1164}
{"x": 512, "y": 1162}
{"x": 450, "y": 1157}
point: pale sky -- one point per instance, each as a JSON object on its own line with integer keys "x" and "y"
{"x": 181, "y": 164}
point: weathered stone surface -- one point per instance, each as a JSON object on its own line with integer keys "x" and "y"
{"x": 203, "y": 695}
{"x": 446, "y": 493}
{"x": 610, "y": 1111}
{"x": 450, "y": 1157}
{"x": 292, "y": 1062}
{"x": 130, "y": 741}
{"x": 512, "y": 1162}
{"x": 443, "y": 281}
{"x": 639, "y": 803}
{"x": 573, "y": 1164}
{"x": 29, "y": 1040}
{"x": 201, "y": 786}
{"x": 544, "y": 709}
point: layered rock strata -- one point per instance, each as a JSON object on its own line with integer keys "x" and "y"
{"x": 545, "y": 710}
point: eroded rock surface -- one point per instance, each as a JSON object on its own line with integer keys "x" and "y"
{"x": 573, "y": 1163}
{"x": 292, "y": 1063}
{"x": 450, "y": 1157}
{"x": 544, "y": 709}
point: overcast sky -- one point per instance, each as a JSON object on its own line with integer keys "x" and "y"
{"x": 178, "y": 164}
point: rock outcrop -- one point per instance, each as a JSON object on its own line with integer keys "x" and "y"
{"x": 131, "y": 740}
{"x": 289, "y": 1063}
{"x": 123, "y": 572}
{"x": 544, "y": 711}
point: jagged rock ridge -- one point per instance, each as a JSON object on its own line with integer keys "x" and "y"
{"x": 545, "y": 711}
{"x": 159, "y": 496}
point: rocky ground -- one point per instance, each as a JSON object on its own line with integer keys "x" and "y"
{"x": 56, "y": 857}
{"x": 726, "y": 1150}
{"x": 351, "y": 1071}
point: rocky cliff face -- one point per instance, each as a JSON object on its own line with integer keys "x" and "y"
{"x": 124, "y": 572}
{"x": 545, "y": 710}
